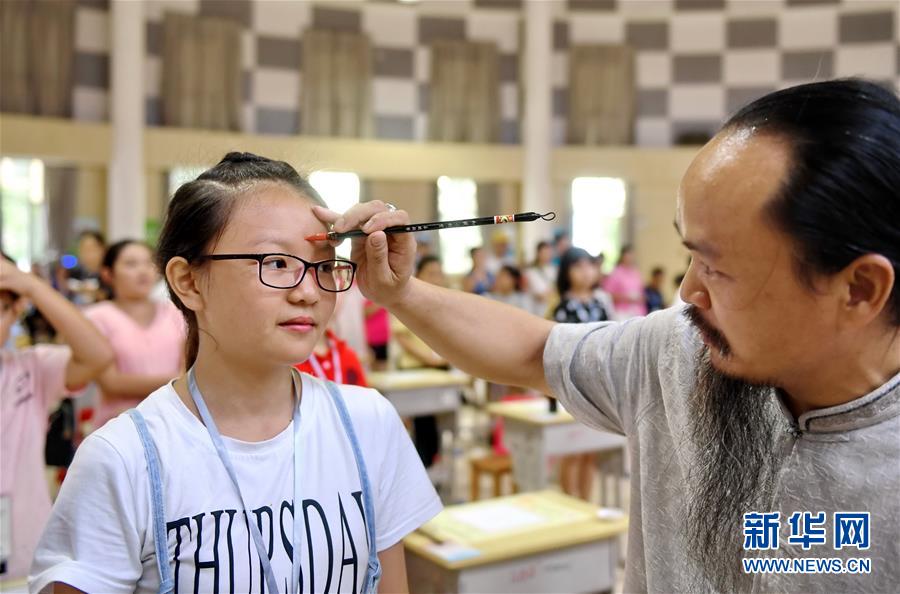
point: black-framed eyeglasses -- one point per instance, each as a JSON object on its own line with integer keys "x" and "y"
{"x": 284, "y": 271}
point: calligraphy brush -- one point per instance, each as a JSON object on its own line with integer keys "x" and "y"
{"x": 522, "y": 217}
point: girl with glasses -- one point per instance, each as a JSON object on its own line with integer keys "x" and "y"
{"x": 243, "y": 475}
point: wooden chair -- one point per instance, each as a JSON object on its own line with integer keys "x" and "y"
{"x": 496, "y": 465}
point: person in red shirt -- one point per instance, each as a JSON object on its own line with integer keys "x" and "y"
{"x": 334, "y": 360}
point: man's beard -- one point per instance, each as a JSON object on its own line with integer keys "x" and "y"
{"x": 734, "y": 428}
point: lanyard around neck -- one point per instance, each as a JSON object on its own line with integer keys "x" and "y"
{"x": 335, "y": 365}
{"x": 271, "y": 583}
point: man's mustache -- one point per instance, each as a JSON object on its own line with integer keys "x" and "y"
{"x": 713, "y": 336}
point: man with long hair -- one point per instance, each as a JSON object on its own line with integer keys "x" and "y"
{"x": 774, "y": 392}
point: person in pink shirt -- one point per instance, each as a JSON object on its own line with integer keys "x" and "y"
{"x": 32, "y": 381}
{"x": 626, "y": 287}
{"x": 147, "y": 336}
{"x": 378, "y": 333}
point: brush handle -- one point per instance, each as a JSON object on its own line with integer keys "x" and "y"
{"x": 522, "y": 217}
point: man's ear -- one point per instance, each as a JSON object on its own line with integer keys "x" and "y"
{"x": 867, "y": 285}
{"x": 182, "y": 279}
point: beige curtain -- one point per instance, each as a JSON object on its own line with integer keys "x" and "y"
{"x": 37, "y": 52}
{"x": 336, "y": 96}
{"x": 53, "y": 54}
{"x": 201, "y": 72}
{"x": 15, "y": 87}
{"x": 464, "y": 101}
{"x": 601, "y": 95}
{"x": 61, "y": 195}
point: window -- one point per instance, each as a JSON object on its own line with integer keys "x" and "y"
{"x": 340, "y": 191}
{"x": 24, "y": 212}
{"x": 457, "y": 199}
{"x": 182, "y": 175}
{"x": 598, "y": 212}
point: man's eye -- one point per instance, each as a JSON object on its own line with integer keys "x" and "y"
{"x": 711, "y": 272}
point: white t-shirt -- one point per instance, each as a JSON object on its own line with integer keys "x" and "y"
{"x": 541, "y": 286}
{"x": 541, "y": 279}
{"x": 100, "y": 539}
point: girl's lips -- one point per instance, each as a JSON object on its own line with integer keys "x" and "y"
{"x": 301, "y": 325}
{"x": 300, "y": 328}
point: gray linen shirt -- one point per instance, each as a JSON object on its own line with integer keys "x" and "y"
{"x": 634, "y": 378}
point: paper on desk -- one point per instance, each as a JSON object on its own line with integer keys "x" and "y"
{"x": 477, "y": 524}
{"x": 451, "y": 551}
{"x": 497, "y": 518}
{"x": 610, "y": 513}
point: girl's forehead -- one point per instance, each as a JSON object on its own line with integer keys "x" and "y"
{"x": 277, "y": 217}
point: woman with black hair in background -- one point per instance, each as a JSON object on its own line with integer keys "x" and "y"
{"x": 147, "y": 336}
{"x": 580, "y": 303}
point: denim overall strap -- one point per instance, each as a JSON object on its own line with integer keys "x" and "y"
{"x": 373, "y": 569}
{"x": 166, "y": 582}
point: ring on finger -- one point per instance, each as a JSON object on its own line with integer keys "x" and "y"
{"x": 390, "y": 207}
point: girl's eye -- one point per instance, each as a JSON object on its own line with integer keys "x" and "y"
{"x": 275, "y": 263}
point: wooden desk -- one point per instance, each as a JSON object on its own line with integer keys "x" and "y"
{"x": 526, "y": 543}
{"x": 533, "y": 434}
{"x": 420, "y": 392}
